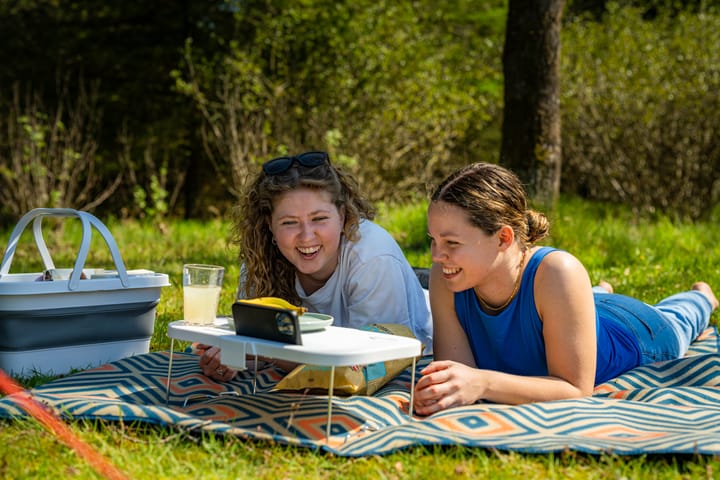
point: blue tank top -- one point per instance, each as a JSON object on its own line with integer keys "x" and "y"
{"x": 512, "y": 341}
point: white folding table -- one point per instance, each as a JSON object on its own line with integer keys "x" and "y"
{"x": 331, "y": 347}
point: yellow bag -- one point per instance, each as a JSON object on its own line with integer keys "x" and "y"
{"x": 354, "y": 380}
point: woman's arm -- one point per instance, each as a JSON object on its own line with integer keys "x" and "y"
{"x": 564, "y": 300}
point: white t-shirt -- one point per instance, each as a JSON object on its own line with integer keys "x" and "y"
{"x": 373, "y": 283}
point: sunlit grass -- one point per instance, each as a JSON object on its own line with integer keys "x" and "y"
{"x": 152, "y": 452}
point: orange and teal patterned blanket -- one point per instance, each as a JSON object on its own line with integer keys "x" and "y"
{"x": 669, "y": 407}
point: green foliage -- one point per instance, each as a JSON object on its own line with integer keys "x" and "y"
{"x": 153, "y": 176}
{"x": 240, "y": 108}
{"x": 195, "y": 95}
{"x": 49, "y": 155}
{"x": 641, "y": 111}
{"x": 399, "y": 91}
{"x": 153, "y": 204}
{"x": 127, "y": 50}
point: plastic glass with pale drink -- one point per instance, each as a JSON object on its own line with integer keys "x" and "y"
{"x": 201, "y": 292}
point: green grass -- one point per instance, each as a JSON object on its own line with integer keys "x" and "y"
{"x": 648, "y": 259}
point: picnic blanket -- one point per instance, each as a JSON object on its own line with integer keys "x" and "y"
{"x": 667, "y": 407}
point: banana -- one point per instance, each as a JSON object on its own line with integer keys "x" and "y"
{"x": 275, "y": 302}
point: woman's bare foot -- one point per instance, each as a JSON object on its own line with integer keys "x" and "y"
{"x": 606, "y": 286}
{"x": 705, "y": 289}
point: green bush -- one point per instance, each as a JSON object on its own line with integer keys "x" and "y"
{"x": 641, "y": 110}
{"x": 399, "y": 92}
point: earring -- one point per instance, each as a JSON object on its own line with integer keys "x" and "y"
{"x": 273, "y": 241}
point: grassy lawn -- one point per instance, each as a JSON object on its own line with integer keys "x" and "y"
{"x": 648, "y": 259}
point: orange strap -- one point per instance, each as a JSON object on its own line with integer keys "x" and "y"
{"x": 23, "y": 398}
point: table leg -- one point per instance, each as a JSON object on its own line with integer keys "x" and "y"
{"x": 412, "y": 389}
{"x": 255, "y": 374}
{"x": 330, "y": 395}
{"x": 167, "y": 387}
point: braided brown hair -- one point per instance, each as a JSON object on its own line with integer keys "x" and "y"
{"x": 493, "y": 196}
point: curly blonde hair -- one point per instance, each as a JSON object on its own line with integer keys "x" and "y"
{"x": 493, "y": 196}
{"x": 267, "y": 271}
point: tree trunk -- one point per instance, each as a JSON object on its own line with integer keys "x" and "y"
{"x": 531, "y": 145}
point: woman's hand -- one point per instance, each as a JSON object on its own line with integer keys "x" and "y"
{"x": 446, "y": 384}
{"x": 211, "y": 365}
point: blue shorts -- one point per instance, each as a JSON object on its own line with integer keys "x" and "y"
{"x": 665, "y": 330}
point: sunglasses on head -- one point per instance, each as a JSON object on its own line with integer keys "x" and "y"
{"x": 279, "y": 165}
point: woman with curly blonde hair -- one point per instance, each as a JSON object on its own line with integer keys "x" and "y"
{"x": 267, "y": 271}
{"x": 306, "y": 235}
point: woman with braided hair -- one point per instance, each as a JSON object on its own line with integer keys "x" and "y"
{"x": 517, "y": 323}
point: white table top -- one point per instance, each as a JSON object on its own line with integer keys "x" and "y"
{"x": 333, "y": 346}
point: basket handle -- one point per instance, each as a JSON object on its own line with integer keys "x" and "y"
{"x": 88, "y": 221}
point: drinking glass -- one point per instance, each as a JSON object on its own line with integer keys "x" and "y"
{"x": 201, "y": 292}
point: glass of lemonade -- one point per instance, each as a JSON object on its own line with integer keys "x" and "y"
{"x": 201, "y": 292}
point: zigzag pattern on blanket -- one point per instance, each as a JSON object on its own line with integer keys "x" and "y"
{"x": 133, "y": 389}
{"x": 669, "y": 407}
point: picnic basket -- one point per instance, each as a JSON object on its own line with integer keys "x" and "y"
{"x": 80, "y": 318}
